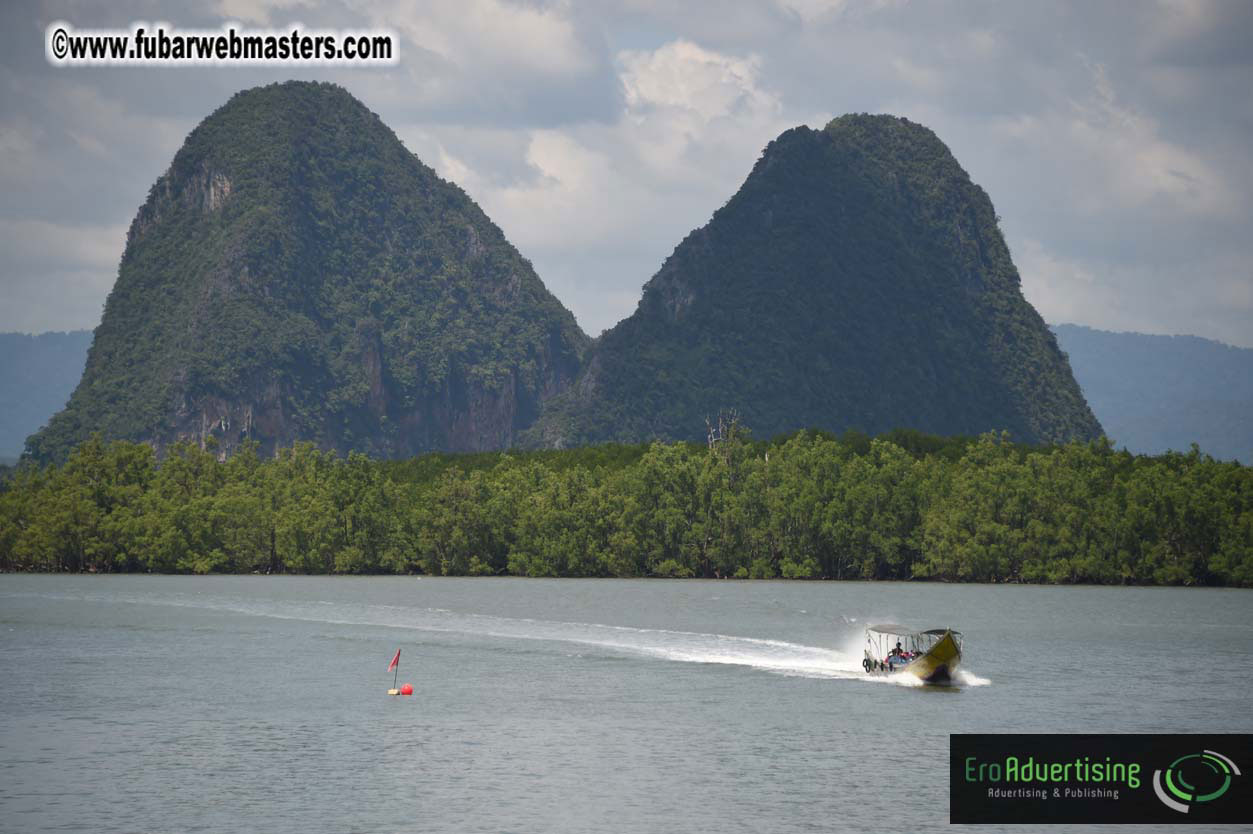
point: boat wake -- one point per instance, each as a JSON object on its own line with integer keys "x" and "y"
{"x": 965, "y": 677}
{"x": 774, "y": 656}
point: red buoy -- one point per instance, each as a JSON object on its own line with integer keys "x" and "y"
{"x": 406, "y": 689}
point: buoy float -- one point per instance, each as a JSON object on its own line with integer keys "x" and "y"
{"x": 393, "y": 692}
{"x": 406, "y": 689}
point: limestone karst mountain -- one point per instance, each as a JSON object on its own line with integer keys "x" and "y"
{"x": 297, "y": 274}
{"x": 858, "y": 279}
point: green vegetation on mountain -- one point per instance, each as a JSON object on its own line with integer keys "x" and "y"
{"x": 297, "y": 274}
{"x": 858, "y": 279}
{"x": 37, "y": 375}
{"x": 903, "y": 506}
{"x": 1154, "y": 393}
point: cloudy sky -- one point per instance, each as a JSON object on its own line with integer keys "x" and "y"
{"x": 1116, "y": 139}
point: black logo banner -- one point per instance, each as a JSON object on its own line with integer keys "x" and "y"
{"x": 1101, "y": 778}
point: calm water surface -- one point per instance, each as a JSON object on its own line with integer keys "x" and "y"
{"x": 237, "y": 704}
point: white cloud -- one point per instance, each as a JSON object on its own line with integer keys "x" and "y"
{"x": 1145, "y": 298}
{"x": 57, "y": 275}
{"x": 809, "y": 10}
{"x": 38, "y": 241}
{"x": 57, "y": 300}
{"x": 489, "y": 33}
{"x": 693, "y": 121}
{"x": 259, "y": 12}
{"x": 684, "y": 76}
{"x": 1060, "y": 289}
{"x": 1135, "y": 164}
{"x": 20, "y": 142}
{"x": 487, "y": 63}
{"x": 74, "y": 129}
{"x": 922, "y": 79}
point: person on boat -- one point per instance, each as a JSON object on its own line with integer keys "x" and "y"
{"x": 898, "y": 652}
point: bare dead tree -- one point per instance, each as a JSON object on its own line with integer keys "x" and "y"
{"x": 727, "y": 427}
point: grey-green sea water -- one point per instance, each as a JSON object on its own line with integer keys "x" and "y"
{"x": 233, "y": 704}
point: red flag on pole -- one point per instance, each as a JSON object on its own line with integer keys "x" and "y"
{"x": 395, "y": 661}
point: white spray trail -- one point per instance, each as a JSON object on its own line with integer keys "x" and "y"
{"x": 775, "y": 656}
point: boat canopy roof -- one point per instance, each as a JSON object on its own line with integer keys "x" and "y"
{"x": 892, "y": 628}
{"x": 899, "y": 630}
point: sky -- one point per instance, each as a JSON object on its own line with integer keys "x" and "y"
{"x": 1115, "y": 139}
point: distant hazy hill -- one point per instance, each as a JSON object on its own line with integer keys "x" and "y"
{"x": 37, "y": 374}
{"x": 297, "y": 274}
{"x": 858, "y": 279}
{"x": 1153, "y": 393}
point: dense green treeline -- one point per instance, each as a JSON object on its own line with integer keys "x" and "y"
{"x": 809, "y": 505}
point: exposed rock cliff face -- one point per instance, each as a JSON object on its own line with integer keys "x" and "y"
{"x": 858, "y": 279}
{"x": 298, "y": 275}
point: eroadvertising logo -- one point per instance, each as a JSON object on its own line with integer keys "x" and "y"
{"x": 1212, "y": 780}
{"x": 1099, "y": 779}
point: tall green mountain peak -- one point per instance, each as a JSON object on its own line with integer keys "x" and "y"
{"x": 858, "y": 279}
{"x": 297, "y": 274}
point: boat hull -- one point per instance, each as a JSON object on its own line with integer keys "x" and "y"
{"x": 939, "y": 664}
